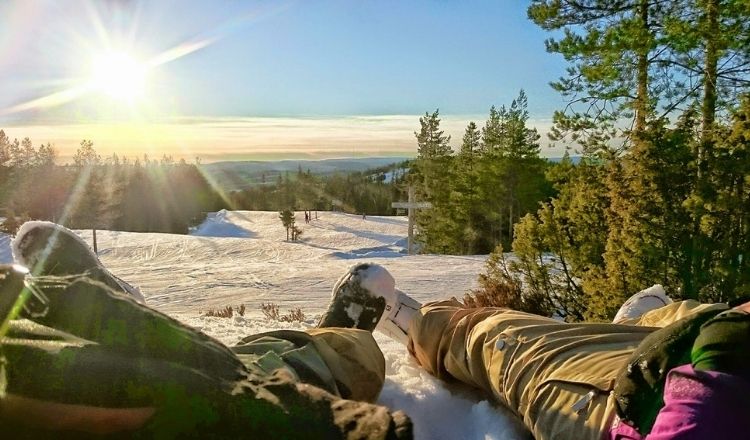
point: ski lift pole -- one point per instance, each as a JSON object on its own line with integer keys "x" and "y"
{"x": 411, "y": 206}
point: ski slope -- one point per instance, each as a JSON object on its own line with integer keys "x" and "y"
{"x": 242, "y": 257}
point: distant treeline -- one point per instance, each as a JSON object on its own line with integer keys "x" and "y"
{"x": 103, "y": 193}
{"x": 369, "y": 192}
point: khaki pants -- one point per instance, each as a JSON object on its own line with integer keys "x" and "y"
{"x": 555, "y": 376}
{"x": 343, "y": 361}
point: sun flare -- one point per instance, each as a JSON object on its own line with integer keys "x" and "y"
{"x": 118, "y": 75}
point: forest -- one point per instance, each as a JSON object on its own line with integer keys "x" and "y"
{"x": 100, "y": 193}
{"x": 369, "y": 192}
{"x": 659, "y": 113}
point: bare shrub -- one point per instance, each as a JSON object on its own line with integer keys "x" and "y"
{"x": 500, "y": 287}
{"x": 271, "y": 311}
{"x": 494, "y": 293}
{"x": 226, "y": 312}
{"x": 294, "y": 315}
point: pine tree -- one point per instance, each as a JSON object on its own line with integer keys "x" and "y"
{"x": 287, "y": 219}
{"x": 654, "y": 61}
{"x": 28, "y": 155}
{"x": 433, "y": 180}
{"x": 511, "y": 174}
{"x": 86, "y": 155}
{"x": 4, "y": 149}
{"x": 479, "y": 194}
{"x": 560, "y": 247}
{"x": 726, "y": 220}
{"x": 466, "y": 201}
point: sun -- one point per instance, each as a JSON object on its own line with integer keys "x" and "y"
{"x": 118, "y": 75}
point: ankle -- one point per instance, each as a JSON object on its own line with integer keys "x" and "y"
{"x": 398, "y": 315}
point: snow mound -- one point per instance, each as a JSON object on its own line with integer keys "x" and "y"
{"x": 219, "y": 225}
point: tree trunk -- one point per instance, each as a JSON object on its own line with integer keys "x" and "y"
{"x": 699, "y": 241}
{"x": 641, "y": 101}
{"x": 96, "y": 249}
{"x": 500, "y": 226}
{"x": 711, "y": 59}
{"x": 510, "y": 223}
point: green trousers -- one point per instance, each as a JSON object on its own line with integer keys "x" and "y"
{"x": 99, "y": 348}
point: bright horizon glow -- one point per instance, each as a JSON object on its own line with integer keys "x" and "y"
{"x": 230, "y": 138}
{"x": 118, "y": 75}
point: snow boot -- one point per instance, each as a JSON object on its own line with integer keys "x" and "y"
{"x": 86, "y": 300}
{"x": 366, "y": 298}
{"x": 641, "y": 303}
{"x": 50, "y": 249}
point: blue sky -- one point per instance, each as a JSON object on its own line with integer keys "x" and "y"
{"x": 271, "y": 65}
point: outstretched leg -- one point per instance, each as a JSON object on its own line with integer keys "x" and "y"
{"x": 555, "y": 376}
{"x": 127, "y": 355}
{"x": 86, "y": 300}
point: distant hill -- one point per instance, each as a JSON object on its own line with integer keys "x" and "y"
{"x": 574, "y": 159}
{"x": 243, "y": 174}
{"x": 238, "y": 175}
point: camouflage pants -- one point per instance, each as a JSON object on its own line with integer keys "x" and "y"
{"x": 100, "y": 348}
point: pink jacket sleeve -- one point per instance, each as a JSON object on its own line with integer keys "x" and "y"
{"x": 698, "y": 405}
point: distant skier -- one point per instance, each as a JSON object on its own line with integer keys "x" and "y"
{"x": 307, "y": 217}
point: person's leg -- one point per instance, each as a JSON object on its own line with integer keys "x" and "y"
{"x": 555, "y": 376}
{"x": 174, "y": 401}
{"x": 87, "y": 301}
{"x": 37, "y": 245}
{"x": 119, "y": 356}
{"x": 339, "y": 355}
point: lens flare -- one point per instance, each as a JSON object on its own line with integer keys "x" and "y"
{"x": 118, "y": 75}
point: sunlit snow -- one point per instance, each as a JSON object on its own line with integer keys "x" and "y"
{"x": 242, "y": 257}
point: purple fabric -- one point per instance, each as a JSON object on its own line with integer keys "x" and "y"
{"x": 698, "y": 405}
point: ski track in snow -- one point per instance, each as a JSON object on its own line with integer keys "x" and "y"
{"x": 241, "y": 257}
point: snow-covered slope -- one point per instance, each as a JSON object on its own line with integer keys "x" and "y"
{"x": 241, "y": 257}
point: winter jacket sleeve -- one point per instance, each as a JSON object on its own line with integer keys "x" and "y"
{"x": 702, "y": 405}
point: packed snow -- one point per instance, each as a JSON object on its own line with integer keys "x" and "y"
{"x": 242, "y": 257}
